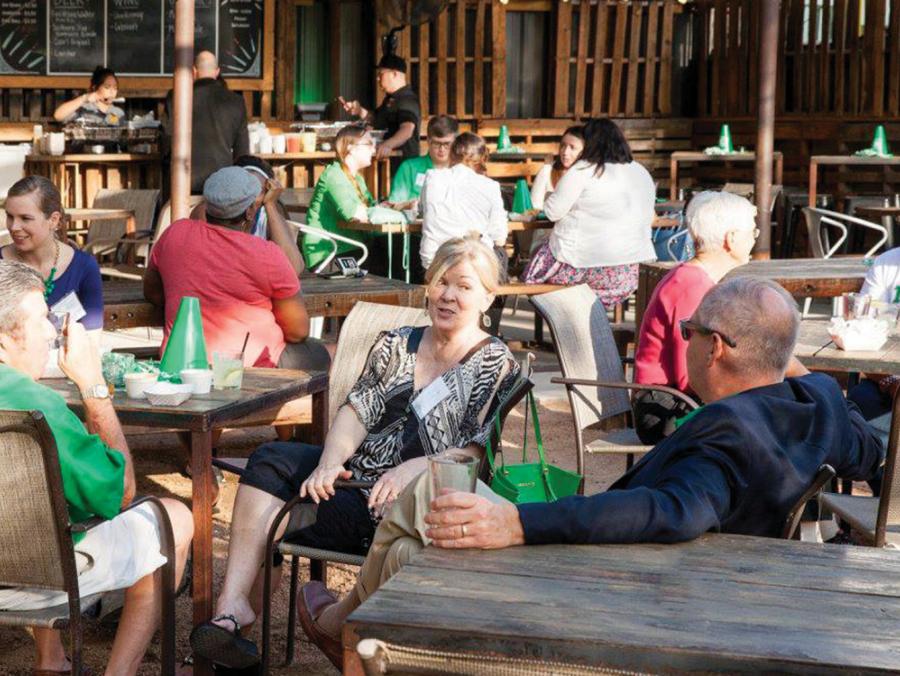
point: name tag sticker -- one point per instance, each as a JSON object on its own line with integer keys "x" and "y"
{"x": 430, "y": 397}
{"x": 70, "y": 303}
{"x": 420, "y": 180}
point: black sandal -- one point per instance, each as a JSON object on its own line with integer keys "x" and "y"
{"x": 221, "y": 646}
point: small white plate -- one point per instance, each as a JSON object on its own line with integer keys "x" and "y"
{"x": 167, "y": 394}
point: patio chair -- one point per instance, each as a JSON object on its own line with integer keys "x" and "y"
{"x": 877, "y": 520}
{"x": 592, "y": 370}
{"x": 823, "y": 476}
{"x": 818, "y": 221}
{"x": 379, "y": 657}
{"x": 103, "y": 237}
{"x": 36, "y": 536}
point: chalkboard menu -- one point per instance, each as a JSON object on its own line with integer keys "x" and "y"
{"x": 133, "y": 37}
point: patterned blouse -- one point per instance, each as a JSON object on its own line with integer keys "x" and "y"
{"x": 383, "y": 396}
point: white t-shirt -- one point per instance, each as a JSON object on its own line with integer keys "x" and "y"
{"x": 602, "y": 219}
{"x": 456, "y": 201}
{"x": 883, "y": 278}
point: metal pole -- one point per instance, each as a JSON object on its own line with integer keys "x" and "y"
{"x": 765, "y": 137}
{"x": 183, "y": 95}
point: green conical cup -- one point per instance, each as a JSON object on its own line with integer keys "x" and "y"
{"x": 879, "y": 141}
{"x": 503, "y": 138}
{"x": 521, "y": 198}
{"x": 725, "y": 139}
{"x": 186, "y": 348}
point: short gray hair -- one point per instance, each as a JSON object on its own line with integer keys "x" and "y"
{"x": 16, "y": 279}
{"x": 759, "y": 316}
{"x": 711, "y": 215}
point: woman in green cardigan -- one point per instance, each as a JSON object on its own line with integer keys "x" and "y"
{"x": 341, "y": 195}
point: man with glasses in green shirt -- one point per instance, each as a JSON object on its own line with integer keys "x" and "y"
{"x": 407, "y": 183}
{"x": 97, "y": 476}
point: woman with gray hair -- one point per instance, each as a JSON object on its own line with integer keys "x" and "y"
{"x": 723, "y": 228}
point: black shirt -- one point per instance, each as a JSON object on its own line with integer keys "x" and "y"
{"x": 397, "y": 108}
{"x": 219, "y": 130}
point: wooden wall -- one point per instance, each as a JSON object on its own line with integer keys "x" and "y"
{"x": 838, "y": 57}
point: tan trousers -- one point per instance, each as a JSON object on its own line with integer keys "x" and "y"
{"x": 401, "y": 534}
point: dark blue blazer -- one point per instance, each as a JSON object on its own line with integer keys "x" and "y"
{"x": 737, "y": 466}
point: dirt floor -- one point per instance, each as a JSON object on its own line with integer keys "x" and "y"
{"x": 157, "y": 459}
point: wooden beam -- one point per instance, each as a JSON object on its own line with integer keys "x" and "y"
{"x": 460, "y": 50}
{"x": 765, "y": 138}
{"x": 182, "y": 106}
{"x": 563, "y": 41}
{"x": 478, "y": 97}
{"x": 581, "y": 69}
{"x": 600, "y": 31}
{"x": 498, "y": 59}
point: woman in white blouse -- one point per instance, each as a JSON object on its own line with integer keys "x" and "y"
{"x": 603, "y": 210}
{"x": 570, "y": 146}
{"x": 461, "y": 199}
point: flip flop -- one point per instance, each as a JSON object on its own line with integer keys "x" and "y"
{"x": 224, "y": 647}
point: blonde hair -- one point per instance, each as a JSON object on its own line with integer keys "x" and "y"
{"x": 459, "y": 249}
{"x": 346, "y": 137}
{"x": 471, "y": 150}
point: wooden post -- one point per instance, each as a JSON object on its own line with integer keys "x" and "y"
{"x": 183, "y": 95}
{"x": 765, "y": 137}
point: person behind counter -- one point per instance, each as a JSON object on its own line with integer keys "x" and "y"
{"x": 33, "y": 216}
{"x": 399, "y": 112}
{"x": 340, "y": 195}
{"x": 96, "y": 105}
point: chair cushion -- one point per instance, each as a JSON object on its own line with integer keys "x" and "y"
{"x": 618, "y": 441}
{"x": 55, "y": 617}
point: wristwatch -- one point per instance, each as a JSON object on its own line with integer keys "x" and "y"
{"x": 99, "y": 391}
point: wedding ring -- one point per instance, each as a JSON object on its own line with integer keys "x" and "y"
{"x": 464, "y": 530}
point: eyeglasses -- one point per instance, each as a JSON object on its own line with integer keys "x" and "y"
{"x": 440, "y": 145}
{"x": 688, "y": 327}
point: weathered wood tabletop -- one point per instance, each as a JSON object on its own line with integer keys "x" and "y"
{"x": 124, "y": 305}
{"x": 722, "y": 603}
{"x": 262, "y": 390}
{"x": 802, "y": 277}
{"x": 816, "y": 352}
{"x": 841, "y": 160}
{"x": 702, "y": 157}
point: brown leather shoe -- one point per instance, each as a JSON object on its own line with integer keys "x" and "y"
{"x": 312, "y": 599}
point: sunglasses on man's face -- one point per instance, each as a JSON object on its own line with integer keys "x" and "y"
{"x": 689, "y": 327}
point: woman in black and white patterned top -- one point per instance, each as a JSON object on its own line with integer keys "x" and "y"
{"x": 423, "y": 391}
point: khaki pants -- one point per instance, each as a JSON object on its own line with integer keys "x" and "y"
{"x": 401, "y": 535}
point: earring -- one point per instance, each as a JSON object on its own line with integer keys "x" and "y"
{"x": 485, "y": 320}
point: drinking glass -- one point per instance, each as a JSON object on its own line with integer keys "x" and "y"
{"x": 228, "y": 370}
{"x": 453, "y": 470}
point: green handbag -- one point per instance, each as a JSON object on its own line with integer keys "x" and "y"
{"x": 530, "y": 481}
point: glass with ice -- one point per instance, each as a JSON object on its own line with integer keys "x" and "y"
{"x": 228, "y": 370}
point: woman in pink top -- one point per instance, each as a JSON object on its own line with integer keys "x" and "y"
{"x": 723, "y": 228}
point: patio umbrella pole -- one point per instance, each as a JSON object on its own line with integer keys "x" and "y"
{"x": 765, "y": 138}
{"x": 183, "y": 95}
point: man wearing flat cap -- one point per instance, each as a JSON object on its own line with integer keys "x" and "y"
{"x": 399, "y": 113}
{"x": 245, "y": 284}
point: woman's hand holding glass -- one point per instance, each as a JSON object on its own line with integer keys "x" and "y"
{"x": 320, "y": 484}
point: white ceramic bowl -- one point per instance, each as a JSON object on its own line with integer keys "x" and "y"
{"x": 200, "y": 380}
{"x": 167, "y": 394}
{"x": 136, "y": 382}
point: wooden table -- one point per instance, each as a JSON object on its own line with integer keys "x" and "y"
{"x": 124, "y": 305}
{"x": 701, "y": 157}
{"x": 817, "y": 353}
{"x": 262, "y": 390}
{"x": 801, "y": 277}
{"x": 841, "y": 160}
{"x": 80, "y": 175}
{"x": 721, "y": 603}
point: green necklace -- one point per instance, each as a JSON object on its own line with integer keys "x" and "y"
{"x": 49, "y": 283}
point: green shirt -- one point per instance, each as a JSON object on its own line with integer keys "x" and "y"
{"x": 407, "y": 182}
{"x": 93, "y": 475}
{"x": 334, "y": 200}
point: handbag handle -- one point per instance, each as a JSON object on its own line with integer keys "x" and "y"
{"x": 545, "y": 469}
{"x": 487, "y": 447}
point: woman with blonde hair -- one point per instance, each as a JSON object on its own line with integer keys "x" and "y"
{"x": 423, "y": 391}
{"x": 340, "y": 194}
{"x": 461, "y": 199}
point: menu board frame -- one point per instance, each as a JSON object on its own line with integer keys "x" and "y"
{"x": 156, "y": 82}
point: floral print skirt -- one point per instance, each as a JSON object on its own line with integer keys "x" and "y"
{"x": 612, "y": 284}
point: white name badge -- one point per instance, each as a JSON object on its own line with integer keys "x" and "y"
{"x": 430, "y": 397}
{"x": 69, "y": 303}
{"x": 420, "y": 180}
